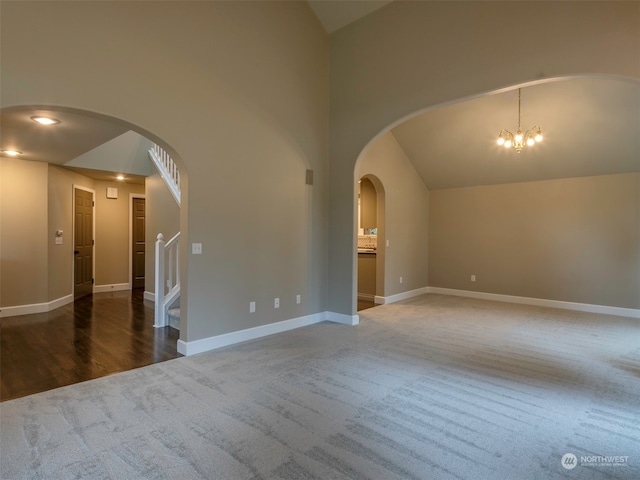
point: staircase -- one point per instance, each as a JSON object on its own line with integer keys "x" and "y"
{"x": 167, "y": 281}
{"x": 167, "y": 256}
{"x": 167, "y": 169}
{"x": 174, "y": 318}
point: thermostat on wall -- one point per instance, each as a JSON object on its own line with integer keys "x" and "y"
{"x": 112, "y": 192}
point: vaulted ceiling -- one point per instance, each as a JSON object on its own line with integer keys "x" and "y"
{"x": 591, "y": 127}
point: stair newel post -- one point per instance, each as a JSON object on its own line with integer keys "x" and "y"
{"x": 160, "y": 320}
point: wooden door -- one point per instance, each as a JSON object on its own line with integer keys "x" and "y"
{"x": 138, "y": 244}
{"x": 83, "y": 243}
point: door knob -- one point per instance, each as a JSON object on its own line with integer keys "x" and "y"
{"x": 76, "y": 252}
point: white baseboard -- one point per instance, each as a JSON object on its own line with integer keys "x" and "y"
{"x": 367, "y": 297}
{"x": 111, "y": 288}
{"x": 36, "y": 307}
{"x": 342, "y": 318}
{"x": 401, "y": 296}
{"x": 149, "y": 296}
{"x": 541, "y": 302}
{"x": 219, "y": 341}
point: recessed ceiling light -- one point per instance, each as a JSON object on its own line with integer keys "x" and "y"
{"x": 120, "y": 177}
{"x": 45, "y": 120}
{"x": 12, "y": 153}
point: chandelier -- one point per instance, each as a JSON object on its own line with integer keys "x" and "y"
{"x": 520, "y": 139}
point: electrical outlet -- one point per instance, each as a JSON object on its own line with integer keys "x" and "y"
{"x": 473, "y": 278}
{"x": 252, "y": 307}
{"x": 196, "y": 248}
{"x": 298, "y": 299}
{"x": 276, "y": 303}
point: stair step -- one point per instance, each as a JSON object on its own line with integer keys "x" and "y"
{"x": 174, "y": 318}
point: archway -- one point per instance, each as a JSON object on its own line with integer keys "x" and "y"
{"x": 370, "y": 245}
{"x": 526, "y": 166}
{"x": 78, "y": 131}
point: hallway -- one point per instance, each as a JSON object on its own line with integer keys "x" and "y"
{"x": 94, "y": 337}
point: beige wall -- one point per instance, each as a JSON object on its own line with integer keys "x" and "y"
{"x": 37, "y": 200}
{"x": 60, "y": 194}
{"x": 162, "y": 216}
{"x": 23, "y": 228}
{"x": 113, "y": 247}
{"x": 239, "y": 92}
{"x": 406, "y": 215}
{"x": 575, "y": 240}
{"x": 409, "y": 56}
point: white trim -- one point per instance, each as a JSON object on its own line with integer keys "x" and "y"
{"x": 541, "y": 302}
{"x": 367, "y": 297}
{"x": 149, "y": 296}
{"x": 131, "y": 197}
{"x": 111, "y": 288}
{"x": 342, "y": 318}
{"x": 401, "y": 296}
{"x": 224, "y": 340}
{"x": 36, "y": 307}
{"x": 378, "y": 300}
{"x": 219, "y": 341}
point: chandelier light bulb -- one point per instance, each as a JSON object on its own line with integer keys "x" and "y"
{"x": 530, "y": 142}
{"x": 500, "y": 140}
{"x": 538, "y": 136}
{"x": 518, "y": 137}
{"x": 507, "y": 144}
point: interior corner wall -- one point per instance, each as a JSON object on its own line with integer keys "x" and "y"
{"x": 406, "y": 215}
{"x": 574, "y": 240}
{"x": 162, "y": 215}
{"x": 23, "y": 224}
{"x": 113, "y": 238}
{"x": 59, "y": 268}
{"x": 410, "y": 56}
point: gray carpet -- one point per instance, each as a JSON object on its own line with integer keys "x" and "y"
{"x": 436, "y": 387}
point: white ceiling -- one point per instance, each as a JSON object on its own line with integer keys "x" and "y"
{"x": 335, "y": 14}
{"x": 590, "y": 126}
{"x": 74, "y": 135}
{"x": 63, "y": 144}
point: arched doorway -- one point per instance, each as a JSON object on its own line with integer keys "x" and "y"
{"x": 37, "y": 234}
{"x": 370, "y": 245}
{"x": 110, "y": 148}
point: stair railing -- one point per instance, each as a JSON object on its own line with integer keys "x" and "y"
{"x": 167, "y": 281}
{"x": 168, "y": 170}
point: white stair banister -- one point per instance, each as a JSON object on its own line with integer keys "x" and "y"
{"x": 159, "y": 282}
{"x": 167, "y": 278}
{"x": 168, "y": 170}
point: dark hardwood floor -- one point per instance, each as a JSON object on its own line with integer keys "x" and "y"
{"x": 96, "y": 336}
{"x": 364, "y": 304}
